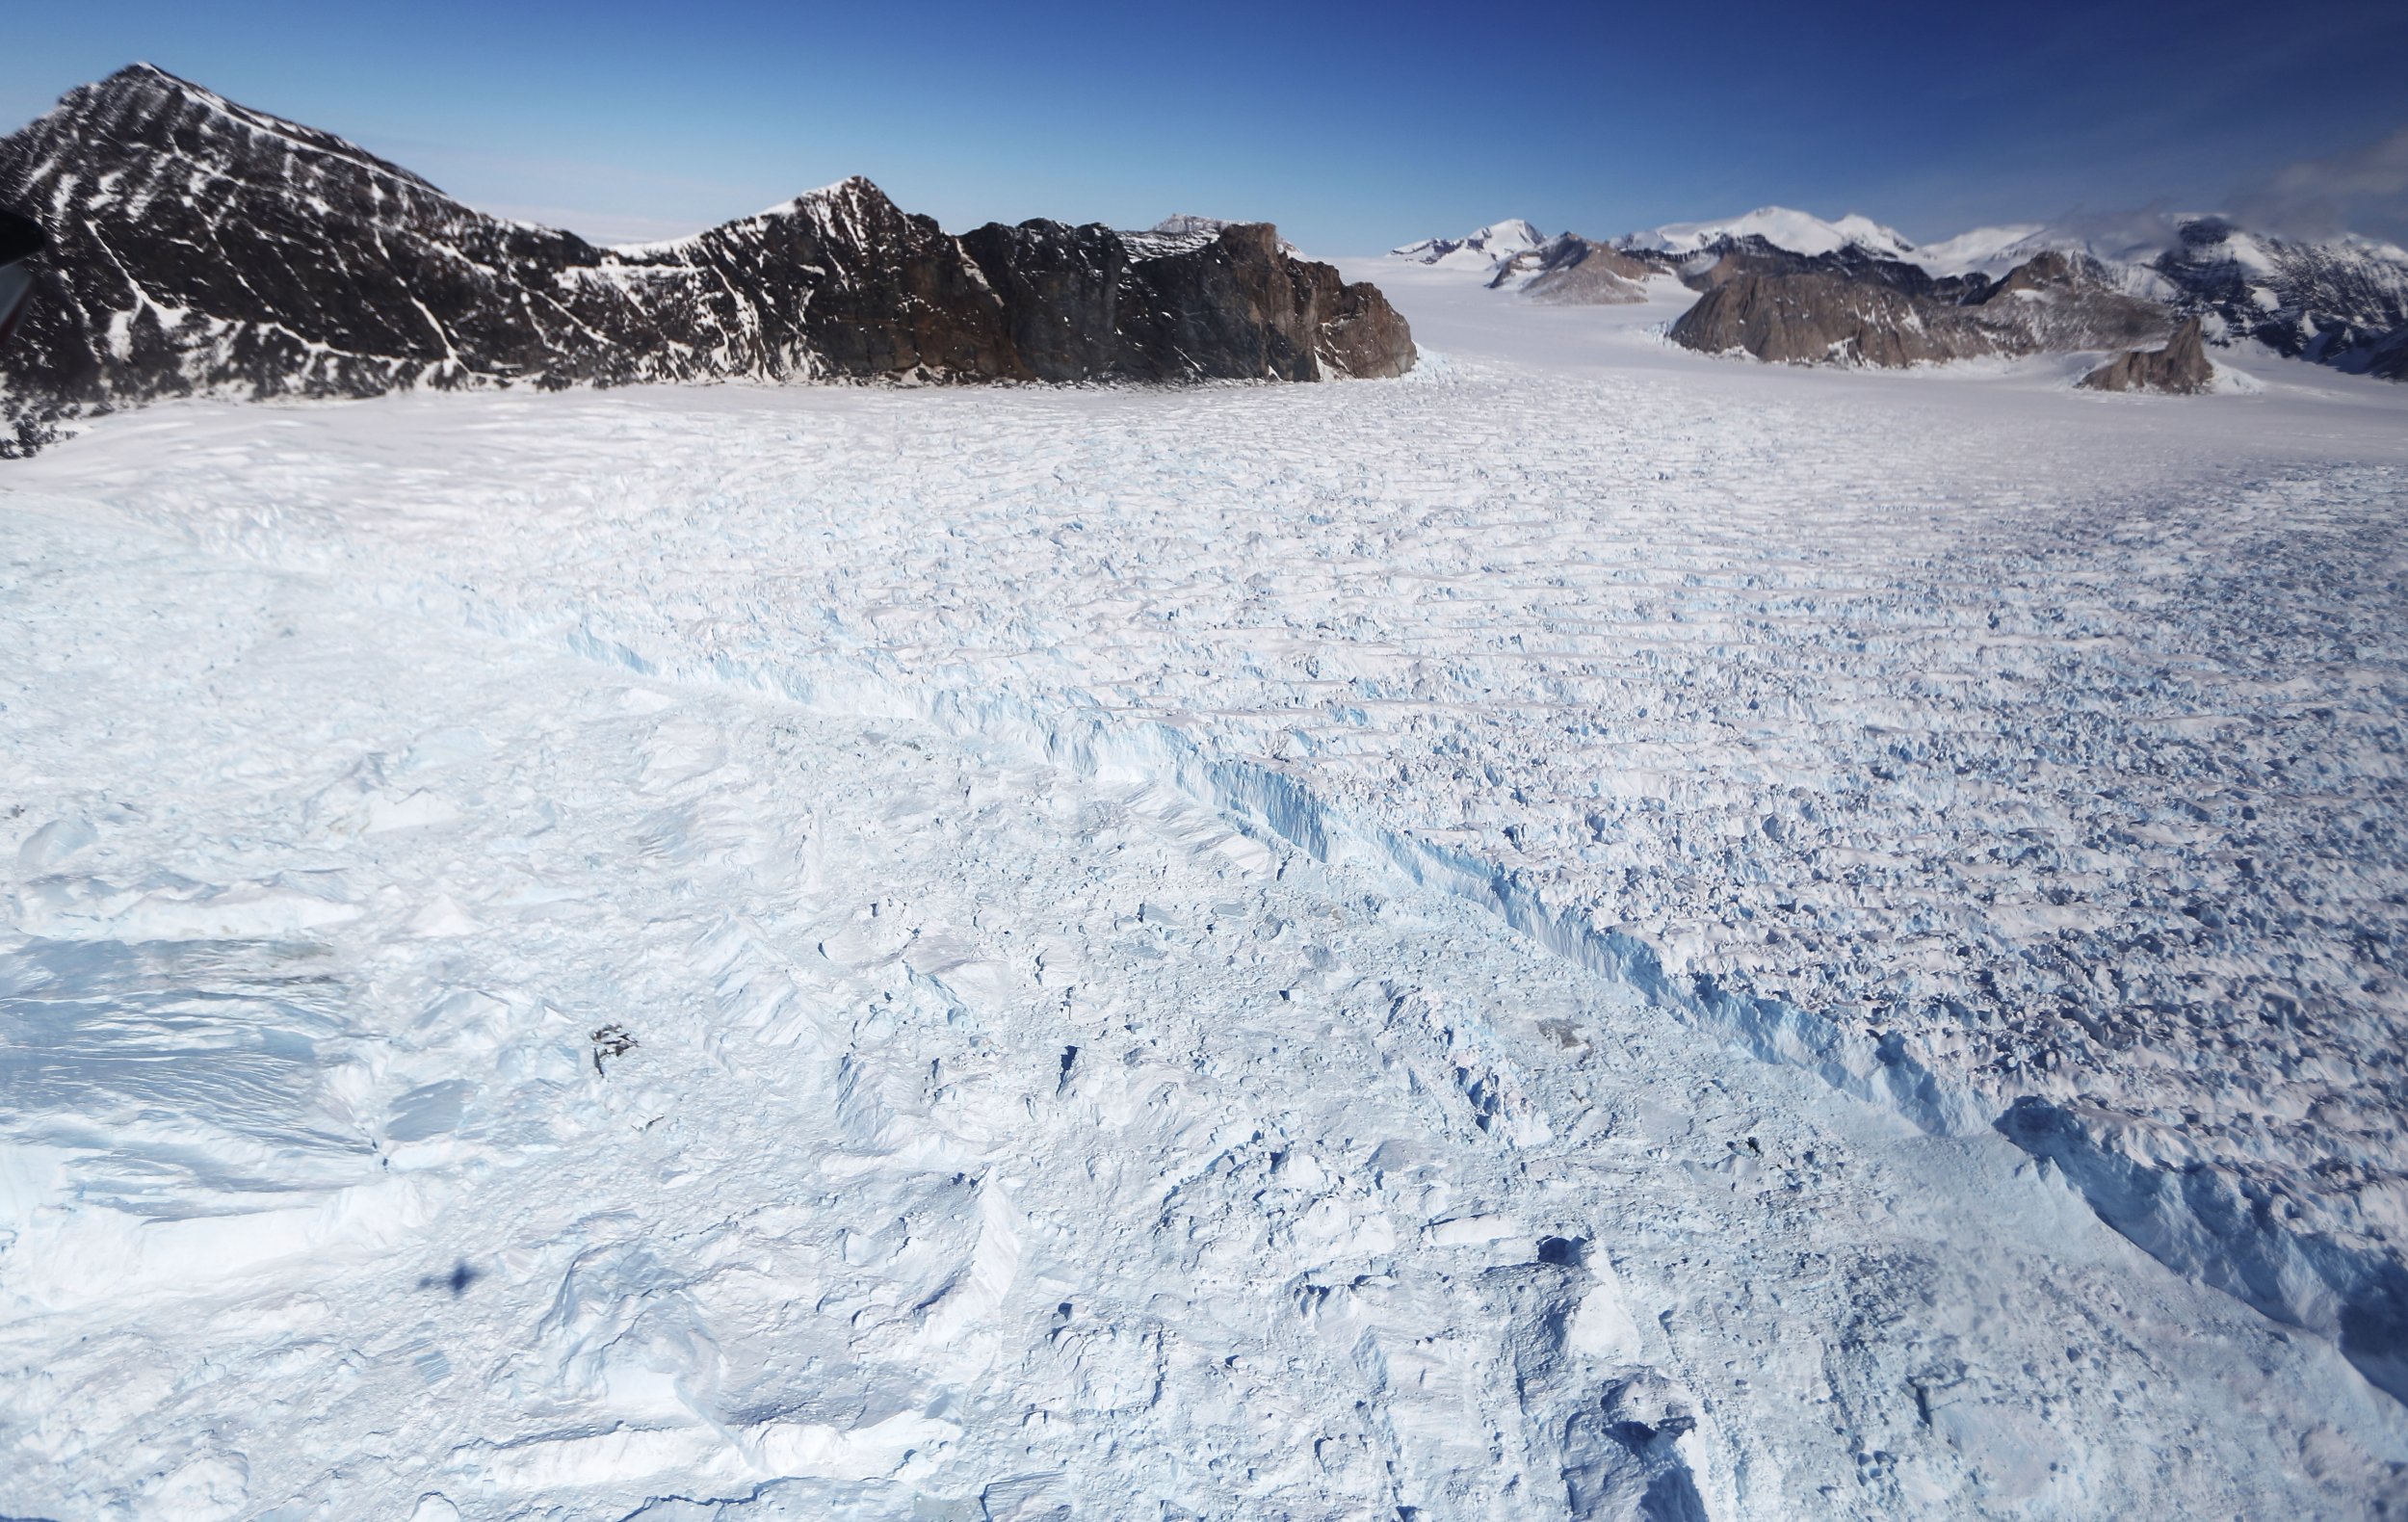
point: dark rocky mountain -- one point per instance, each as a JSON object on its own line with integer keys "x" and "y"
{"x": 1856, "y": 307}
{"x": 2343, "y": 304}
{"x": 204, "y": 247}
{"x": 2179, "y": 369}
{"x": 1571, "y": 271}
{"x": 1730, "y": 259}
{"x": 1818, "y": 318}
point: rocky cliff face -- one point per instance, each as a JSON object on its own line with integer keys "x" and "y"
{"x": 1826, "y": 319}
{"x": 2179, "y": 369}
{"x": 2343, "y": 304}
{"x": 1572, "y": 271}
{"x": 1855, "y": 308}
{"x": 204, "y": 247}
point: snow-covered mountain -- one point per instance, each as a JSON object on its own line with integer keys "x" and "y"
{"x": 1565, "y": 270}
{"x": 1990, "y": 250}
{"x": 202, "y": 246}
{"x": 1799, "y": 232}
{"x": 1479, "y": 251}
{"x": 2342, "y": 302}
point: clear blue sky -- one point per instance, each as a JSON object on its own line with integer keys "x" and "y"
{"x": 1352, "y": 126}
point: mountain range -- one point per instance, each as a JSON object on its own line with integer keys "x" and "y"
{"x": 1785, "y": 285}
{"x": 203, "y": 246}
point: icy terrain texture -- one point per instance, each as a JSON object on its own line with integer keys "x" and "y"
{"x": 1448, "y": 948}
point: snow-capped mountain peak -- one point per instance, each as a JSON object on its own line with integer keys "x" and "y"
{"x": 1511, "y": 233}
{"x": 1797, "y": 231}
{"x": 1983, "y": 247}
{"x": 138, "y": 97}
{"x": 1481, "y": 250}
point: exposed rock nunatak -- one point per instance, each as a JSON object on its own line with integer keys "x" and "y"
{"x": 204, "y": 247}
{"x": 1571, "y": 271}
{"x": 1812, "y": 318}
{"x": 2179, "y": 369}
{"x": 1859, "y": 310}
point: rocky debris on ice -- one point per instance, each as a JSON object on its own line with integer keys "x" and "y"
{"x": 204, "y": 246}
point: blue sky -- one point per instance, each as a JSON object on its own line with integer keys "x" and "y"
{"x": 1353, "y": 126}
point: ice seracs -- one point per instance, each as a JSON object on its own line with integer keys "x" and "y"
{"x": 1408, "y": 942}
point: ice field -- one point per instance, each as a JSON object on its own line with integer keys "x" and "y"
{"x": 1445, "y": 948}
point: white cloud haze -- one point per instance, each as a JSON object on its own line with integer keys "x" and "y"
{"x": 2363, "y": 190}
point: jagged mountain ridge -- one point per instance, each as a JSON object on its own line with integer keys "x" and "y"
{"x": 1800, "y": 232}
{"x": 1849, "y": 309}
{"x": 2342, "y": 302}
{"x": 1501, "y": 240}
{"x": 205, "y": 247}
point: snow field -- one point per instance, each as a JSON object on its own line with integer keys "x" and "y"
{"x": 994, "y": 1144}
{"x": 1926, "y": 708}
{"x": 2047, "y": 742}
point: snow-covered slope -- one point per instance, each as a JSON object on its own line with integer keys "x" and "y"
{"x": 1479, "y": 252}
{"x": 1799, "y": 232}
{"x": 2342, "y": 302}
{"x": 1462, "y": 945}
{"x": 1990, "y": 250}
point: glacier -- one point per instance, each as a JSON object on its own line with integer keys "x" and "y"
{"x": 1459, "y": 947}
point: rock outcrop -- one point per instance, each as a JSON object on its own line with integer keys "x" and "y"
{"x": 1855, "y": 308}
{"x": 2342, "y": 303}
{"x": 2179, "y": 369}
{"x": 201, "y": 247}
{"x": 1183, "y": 232}
{"x": 1826, "y": 319}
{"x": 1572, "y": 271}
